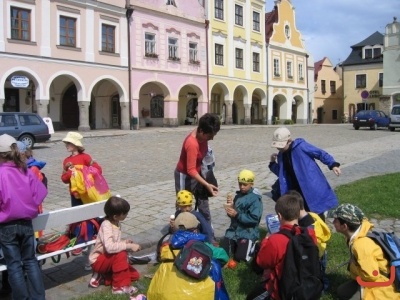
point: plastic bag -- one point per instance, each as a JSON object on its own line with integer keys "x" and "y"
{"x": 181, "y": 237}
{"x": 216, "y": 274}
{"x": 170, "y": 284}
{"x": 89, "y": 185}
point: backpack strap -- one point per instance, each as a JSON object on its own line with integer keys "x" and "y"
{"x": 159, "y": 245}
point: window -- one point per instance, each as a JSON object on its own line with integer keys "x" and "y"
{"x": 289, "y": 69}
{"x": 67, "y": 31}
{"x": 107, "y": 38}
{"x": 367, "y": 53}
{"x": 20, "y": 24}
{"x": 157, "y": 107}
{"x": 219, "y": 55}
{"x": 172, "y": 49}
{"x": 287, "y": 31}
{"x": 377, "y": 52}
{"x": 219, "y": 9}
{"x": 256, "y": 62}
{"x": 149, "y": 44}
{"x": 276, "y": 68}
{"x": 256, "y": 21}
{"x": 323, "y": 86}
{"x": 333, "y": 86}
{"x": 239, "y": 58}
{"x": 334, "y": 114}
{"x": 301, "y": 72}
{"x": 193, "y": 53}
{"x": 238, "y": 15}
{"x": 380, "y": 79}
{"x": 216, "y": 103}
{"x": 171, "y": 2}
{"x": 361, "y": 81}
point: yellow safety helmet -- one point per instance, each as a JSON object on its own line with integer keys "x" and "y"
{"x": 184, "y": 198}
{"x": 246, "y": 176}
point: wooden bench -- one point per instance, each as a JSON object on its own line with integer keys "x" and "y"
{"x": 57, "y": 220}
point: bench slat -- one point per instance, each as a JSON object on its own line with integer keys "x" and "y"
{"x": 65, "y": 216}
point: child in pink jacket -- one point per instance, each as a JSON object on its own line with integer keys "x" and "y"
{"x": 109, "y": 259}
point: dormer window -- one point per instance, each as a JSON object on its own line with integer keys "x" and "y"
{"x": 371, "y": 52}
{"x": 377, "y": 52}
{"x": 287, "y": 31}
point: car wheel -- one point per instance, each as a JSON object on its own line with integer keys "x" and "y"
{"x": 391, "y": 128}
{"x": 28, "y": 140}
{"x": 356, "y": 127}
{"x": 374, "y": 127}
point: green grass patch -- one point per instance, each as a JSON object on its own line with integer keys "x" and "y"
{"x": 376, "y": 196}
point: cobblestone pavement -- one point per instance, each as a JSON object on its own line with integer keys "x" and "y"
{"x": 139, "y": 166}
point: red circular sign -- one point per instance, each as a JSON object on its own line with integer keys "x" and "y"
{"x": 364, "y": 94}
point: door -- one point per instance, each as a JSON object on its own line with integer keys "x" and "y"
{"x": 11, "y": 103}
{"x": 70, "y": 109}
{"x": 115, "y": 112}
{"x": 382, "y": 119}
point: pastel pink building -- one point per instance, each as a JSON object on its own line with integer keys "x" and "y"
{"x": 71, "y": 58}
{"x": 168, "y": 43}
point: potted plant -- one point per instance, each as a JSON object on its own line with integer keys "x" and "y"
{"x": 151, "y": 55}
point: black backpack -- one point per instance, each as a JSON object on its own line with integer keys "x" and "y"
{"x": 301, "y": 273}
{"x": 194, "y": 260}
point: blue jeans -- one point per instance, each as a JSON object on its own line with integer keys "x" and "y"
{"x": 17, "y": 241}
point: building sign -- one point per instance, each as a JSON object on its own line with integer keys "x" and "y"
{"x": 20, "y": 81}
{"x": 374, "y": 94}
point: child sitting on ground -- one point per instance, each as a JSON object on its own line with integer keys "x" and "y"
{"x": 245, "y": 213}
{"x": 184, "y": 203}
{"x": 109, "y": 259}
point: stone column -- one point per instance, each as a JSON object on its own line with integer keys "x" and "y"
{"x": 264, "y": 114}
{"x": 42, "y": 107}
{"x": 83, "y": 115}
{"x": 135, "y": 114}
{"x": 125, "y": 122}
{"x": 2, "y": 104}
{"x": 247, "y": 114}
{"x": 171, "y": 113}
{"x": 228, "y": 112}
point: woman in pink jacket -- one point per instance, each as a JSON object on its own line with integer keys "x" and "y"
{"x": 21, "y": 192}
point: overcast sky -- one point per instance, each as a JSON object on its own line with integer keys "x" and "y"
{"x": 330, "y": 27}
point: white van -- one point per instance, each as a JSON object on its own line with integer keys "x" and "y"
{"x": 394, "y": 118}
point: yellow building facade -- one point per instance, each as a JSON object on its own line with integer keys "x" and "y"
{"x": 328, "y": 93}
{"x": 236, "y": 47}
{"x": 363, "y": 75}
{"x": 287, "y": 67}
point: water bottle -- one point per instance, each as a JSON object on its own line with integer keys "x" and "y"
{"x": 273, "y": 223}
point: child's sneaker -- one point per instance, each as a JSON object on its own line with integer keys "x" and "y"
{"x": 130, "y": 290}
{"x": 96, "y": 280}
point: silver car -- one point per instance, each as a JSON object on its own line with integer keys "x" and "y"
{"x": 25, "y": 127}
{"x": 394, "y": 118}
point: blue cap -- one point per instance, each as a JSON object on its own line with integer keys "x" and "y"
{"x": 21, "y": 146}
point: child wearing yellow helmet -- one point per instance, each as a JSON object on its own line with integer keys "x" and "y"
{"x": 184, "y": 203}
{"x": 245, "y": 212}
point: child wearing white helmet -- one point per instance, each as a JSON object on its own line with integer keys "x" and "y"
{"x": 184, "y": 203}
{"x": 245, "y": 212}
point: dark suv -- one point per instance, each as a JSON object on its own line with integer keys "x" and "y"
{"x": 370, "y": 118}
{"x": 26, "y": 127}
